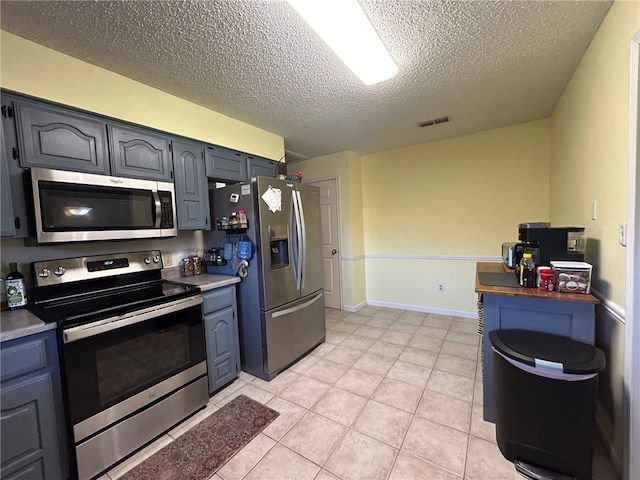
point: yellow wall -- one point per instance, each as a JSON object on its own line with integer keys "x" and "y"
{"x": 589, "y": 150}
{"x": 589, "y": 137}
{"x": 430, "y": 211}
{"x": 346, "y": 166}
{"x": 32, "y": 69}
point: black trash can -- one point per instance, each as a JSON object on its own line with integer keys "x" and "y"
{"x": 545, "y": 402}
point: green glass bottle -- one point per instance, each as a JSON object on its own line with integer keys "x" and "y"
{"x": 16, "y": 291}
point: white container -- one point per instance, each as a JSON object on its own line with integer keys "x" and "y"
{"x": 572, "y": 277}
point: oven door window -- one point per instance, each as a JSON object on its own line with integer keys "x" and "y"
{"x": 105, "y": 369}
{"x": 70, "y": 207}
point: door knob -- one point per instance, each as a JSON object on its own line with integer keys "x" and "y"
{"x": 334, "y": 251}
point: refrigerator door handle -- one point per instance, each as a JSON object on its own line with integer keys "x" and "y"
{"x": 297, "y": 307}
{"x": 303, "y": 256}
{"x": 298, "y": 247}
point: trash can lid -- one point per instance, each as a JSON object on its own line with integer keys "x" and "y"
{"x": 535, "y": 348}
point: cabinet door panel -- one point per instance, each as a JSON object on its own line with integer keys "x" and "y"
{"x": 7, "y": 225}
{"x": 32, "y": 471}
{"x": 28, "y": 425}
{"x": 136, "y": 153}
{"x": 261, "y": 167}
{"x": 191, "y": 186}
{"x": 225, "y": 164}
{"x": 51, "y": 137}
{"x": 223, "y": 349}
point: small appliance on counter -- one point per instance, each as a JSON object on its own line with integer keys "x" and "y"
{"x": 509, "y": 254}
{"x": 551, "y": 243}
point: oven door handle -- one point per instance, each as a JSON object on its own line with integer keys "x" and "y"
{"x": 74, "y": 334}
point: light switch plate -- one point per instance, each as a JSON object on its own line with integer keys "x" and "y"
{"x": 594, "y": 210}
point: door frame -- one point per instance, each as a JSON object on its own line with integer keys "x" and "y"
{"x": 336, "y": 179}
{"x": 631, "y": 463}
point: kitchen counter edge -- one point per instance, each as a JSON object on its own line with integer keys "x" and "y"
{"x": 498, "y": 267}
{"x": 205, "y": 281}
{"x": 21, "y": 323}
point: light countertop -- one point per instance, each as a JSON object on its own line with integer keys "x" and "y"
{"x": 21, "y": 323}
{"x": 205, "y": 281}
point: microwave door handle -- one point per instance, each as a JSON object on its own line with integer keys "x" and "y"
{"x": 157, "y": 210}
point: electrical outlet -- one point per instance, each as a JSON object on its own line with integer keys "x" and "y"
{"x": 167, "y": 260}
{"x": 441, "y": 287}
{"x": 622, "y": 234}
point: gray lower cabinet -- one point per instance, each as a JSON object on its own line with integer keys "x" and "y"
{"x": 192, "y": 192}
{"x": 221, "y": 330}
{"x": 225, "y": 164}
{"x": 137, "y": 153}
{"x": 32, "y": 420}
{"x": 261, "y": 167}
{"x": 51, "y": 137}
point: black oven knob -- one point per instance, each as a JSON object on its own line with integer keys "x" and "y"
{"x": 147, "y": 260}
{"x": 44, "y": 273}
{"x": 156, "y": 259}
{"x": 59, "y": 271}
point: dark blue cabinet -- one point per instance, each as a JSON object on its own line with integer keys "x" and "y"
{"x": 261, "y": 167}
{"x": 32, "y": 421}
{"x": 192, "y": 192}
{"x": 221, "y": 330}
{"x": 224, "y": 164}
{"x": 52, "y": 137}
{"x": 138, "y": 153}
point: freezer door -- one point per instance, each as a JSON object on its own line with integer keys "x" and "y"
{"x": 278, "y": 241}
{"x": 312, "y": 270}
{"x": 293, "y": 330}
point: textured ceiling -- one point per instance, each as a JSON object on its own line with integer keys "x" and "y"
{"x": 486, "y": 63}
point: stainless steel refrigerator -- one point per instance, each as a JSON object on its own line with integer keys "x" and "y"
{"x": 281, "y": 299}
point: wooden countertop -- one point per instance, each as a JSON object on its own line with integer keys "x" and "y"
{"x": 499, "y": 267}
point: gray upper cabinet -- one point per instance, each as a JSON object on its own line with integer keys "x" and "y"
{"x": 7, "y": 226}
{"x": 51, "y": 137}
{"x": 13, "y": 206}
{"x": 191, "y": 185}
{"x": 261, "y": 167}
{"x": 138, "y": 153}
{"x": 225, "y": 164}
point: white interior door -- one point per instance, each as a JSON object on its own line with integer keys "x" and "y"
{"x": 330, "y": 241}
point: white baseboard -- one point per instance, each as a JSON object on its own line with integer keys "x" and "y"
{"x": 419, "y": 308}
{"x": 352, "y": 308}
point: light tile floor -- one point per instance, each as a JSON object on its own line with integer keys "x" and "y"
{"x": 391, "y": 394}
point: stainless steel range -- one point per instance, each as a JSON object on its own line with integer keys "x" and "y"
{"x": 132, "y": 351}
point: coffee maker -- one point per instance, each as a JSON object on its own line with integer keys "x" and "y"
{"x": 552, "y": 243}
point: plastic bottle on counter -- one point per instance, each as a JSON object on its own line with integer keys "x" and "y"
{"x": 242, "y": 216}
{"x": 527, "y": 271}
{"x": 14, "y": 285}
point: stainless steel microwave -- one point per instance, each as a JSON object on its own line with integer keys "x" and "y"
{"x": 79, "y": 207}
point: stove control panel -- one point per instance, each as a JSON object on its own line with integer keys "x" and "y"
{"x": 66, "y": 270}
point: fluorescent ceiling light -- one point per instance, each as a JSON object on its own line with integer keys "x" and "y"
{"x": 346, "y": 29}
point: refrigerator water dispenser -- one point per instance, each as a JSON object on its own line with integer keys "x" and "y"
{"x": 279, "y": 246}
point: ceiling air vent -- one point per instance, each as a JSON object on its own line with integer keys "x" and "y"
{"x": 435, "y": 121}
{"x": 292, "y": 157}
